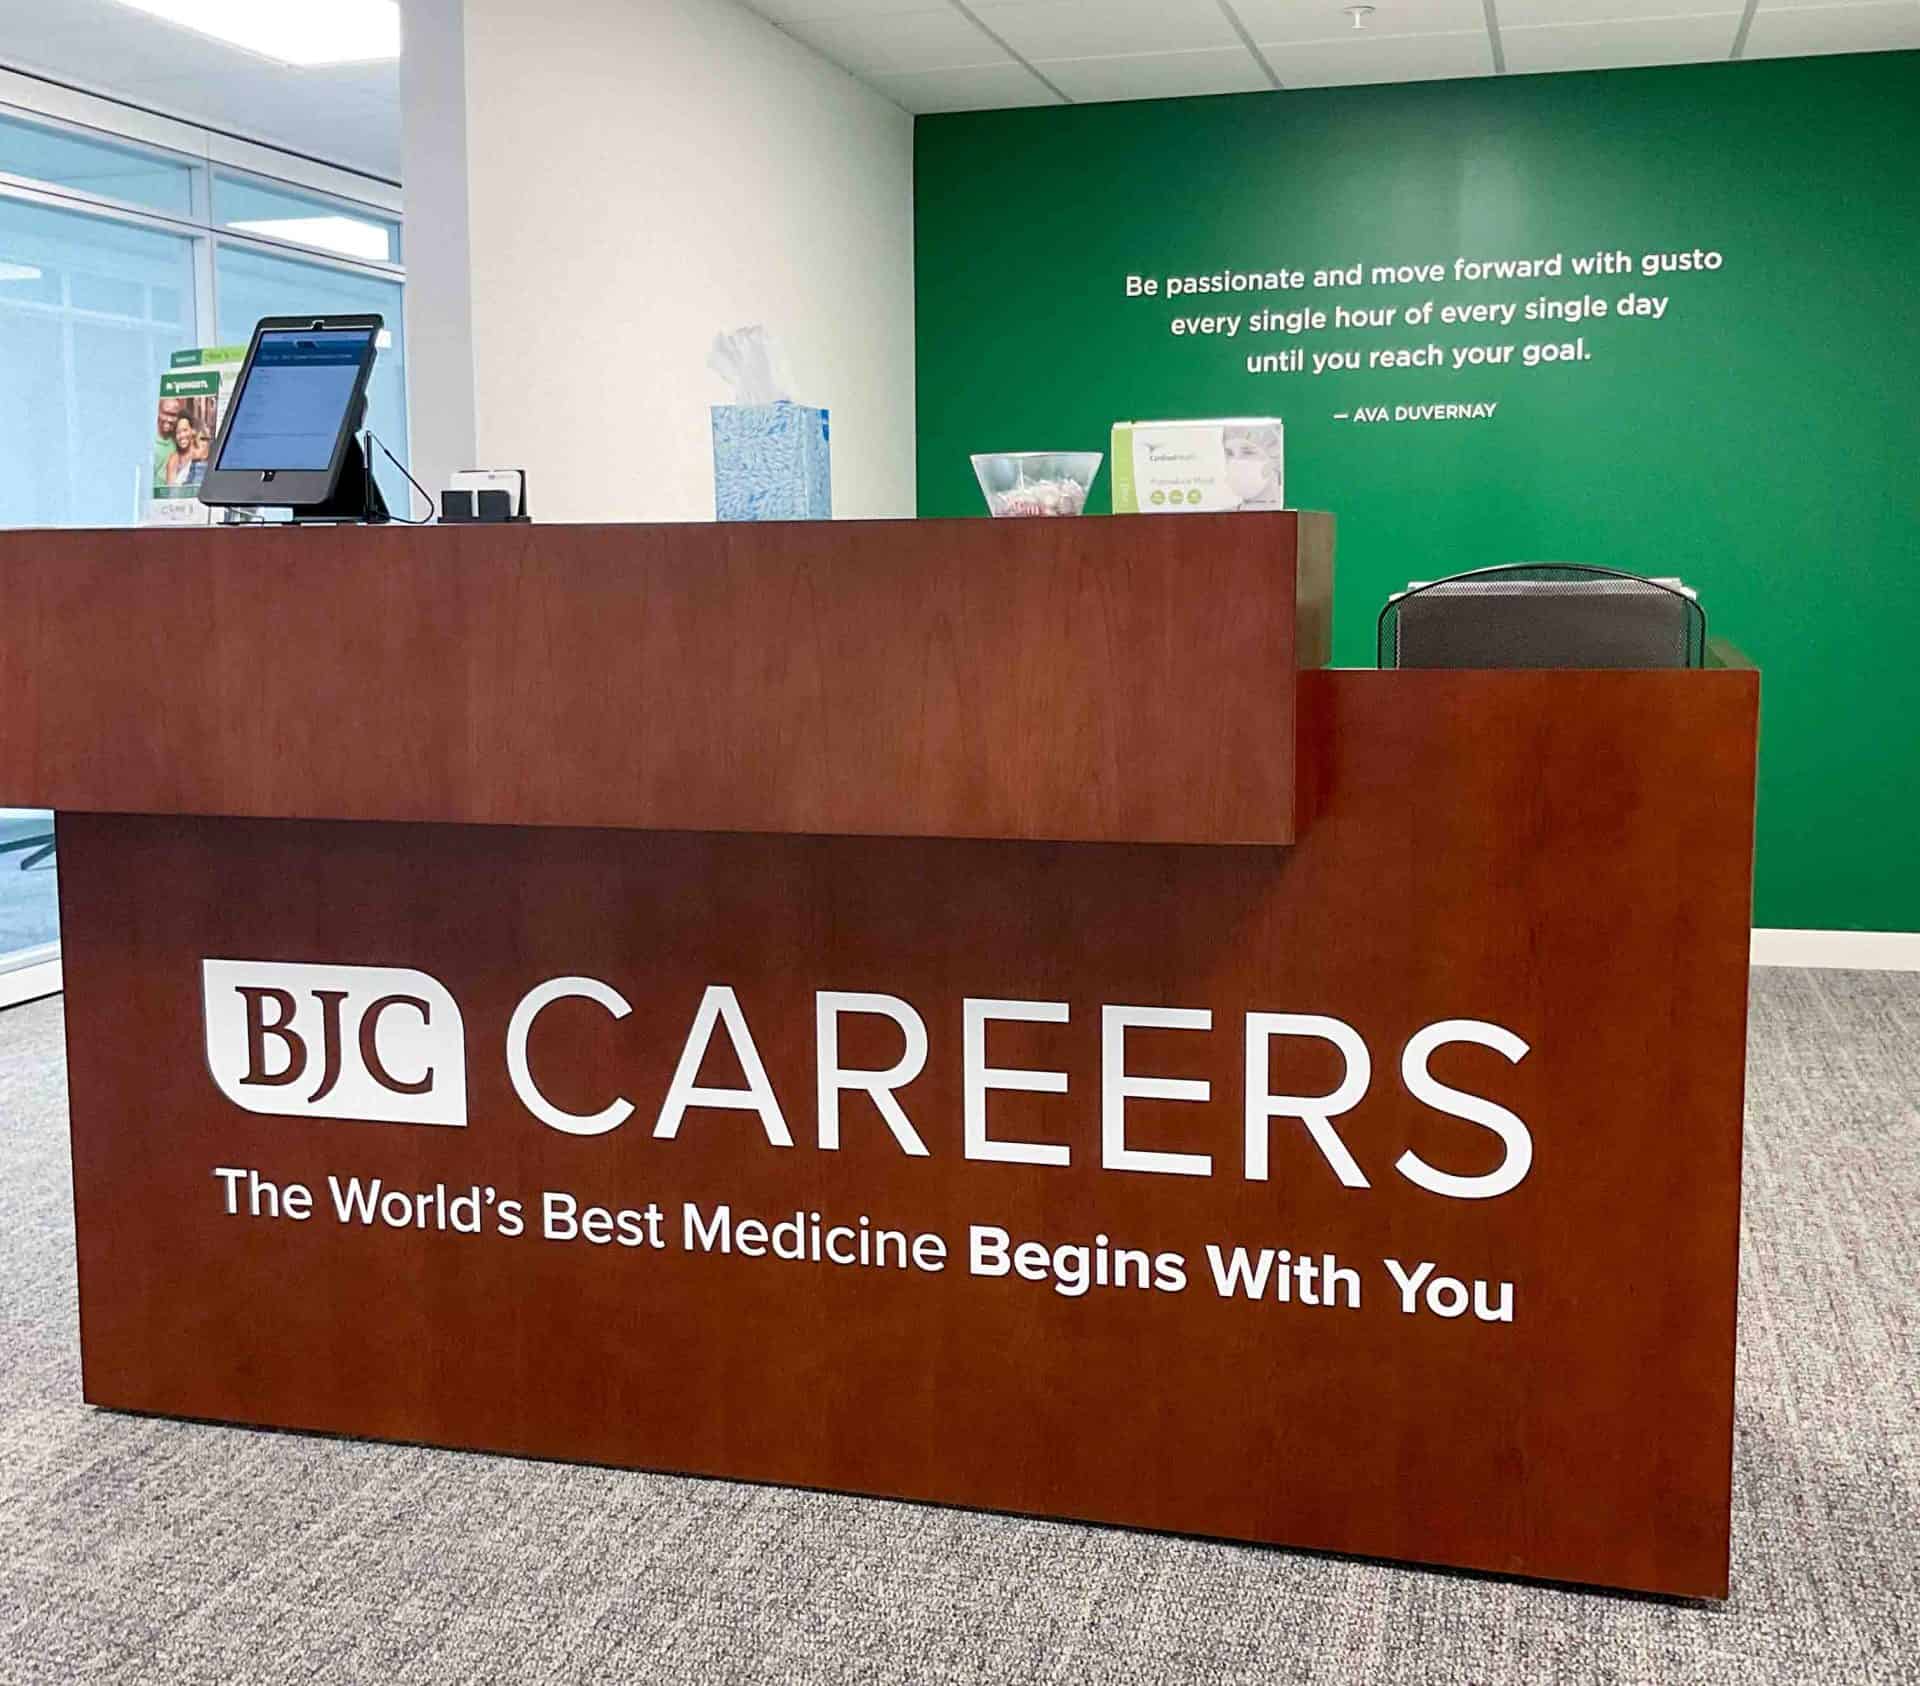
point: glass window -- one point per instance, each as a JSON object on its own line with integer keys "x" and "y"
{"x": 251, "y": 284}
{"x": 29, "y": 903}
{"x": 90, "y": 311}
{"x": 279, "y": 213}
{"x": 64, "y": 158}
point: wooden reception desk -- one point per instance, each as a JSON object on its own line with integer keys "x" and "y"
{"x": 967, "y": 1011}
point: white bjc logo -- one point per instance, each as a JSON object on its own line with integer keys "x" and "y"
{"x": 380, "y": 1043}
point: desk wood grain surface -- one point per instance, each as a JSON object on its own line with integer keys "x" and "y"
{"x": 1565, "y": 856}
{"x": 1128, "y": 679}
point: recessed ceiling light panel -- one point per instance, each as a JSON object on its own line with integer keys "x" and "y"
{"x": 296, "y": 32}
{"x": 346, "y": 235}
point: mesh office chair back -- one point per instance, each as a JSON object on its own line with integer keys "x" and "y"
{"x": 1543, "y": 614}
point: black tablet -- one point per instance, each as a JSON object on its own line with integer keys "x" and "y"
{"x": 294, "y": 413}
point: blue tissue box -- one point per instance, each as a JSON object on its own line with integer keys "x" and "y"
{"x": 770, "y": 463}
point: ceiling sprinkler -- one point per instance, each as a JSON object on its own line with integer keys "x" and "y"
{"x": 1359, "y": 14}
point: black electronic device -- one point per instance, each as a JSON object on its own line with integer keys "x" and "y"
{"x": 290, "y": 436}
{"x": 485, "y": 494}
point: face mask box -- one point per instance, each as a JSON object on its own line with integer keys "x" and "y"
{"x": 1190, "y": 467}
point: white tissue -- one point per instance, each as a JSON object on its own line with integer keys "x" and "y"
{"x": 750, "y": 362}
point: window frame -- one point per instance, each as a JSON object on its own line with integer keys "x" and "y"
{"x": 392, "y": 268}
{"x": 203, "y": 153}
{"x": 29, "y": 118}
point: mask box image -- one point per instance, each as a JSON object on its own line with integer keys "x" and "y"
{"x": 1187, "y": 467}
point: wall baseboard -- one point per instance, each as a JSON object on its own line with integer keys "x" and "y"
{"x": 29, "y": 983}
{"x": 1857, "y": 951}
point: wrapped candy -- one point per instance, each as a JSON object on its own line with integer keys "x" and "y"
{"x": 1040, "y": 497}
{"x": 1036, "y": 482}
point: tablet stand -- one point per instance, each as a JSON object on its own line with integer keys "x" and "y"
{"x": 356, "y": 494}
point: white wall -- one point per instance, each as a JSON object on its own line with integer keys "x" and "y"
{"x": 434, "y": 242}
{"x": 640, "y": 175}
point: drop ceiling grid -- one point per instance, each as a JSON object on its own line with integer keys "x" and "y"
{"x": 937, "y": 55}
{"x": 956, "y": 55}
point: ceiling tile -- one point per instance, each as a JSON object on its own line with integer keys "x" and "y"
{"x": 350, "y": 119}
{"x": 1524, "y": 14}
{"x": 1788, "y": 32}
{"x": 1152, "y": 76}
{"x": 793, "y": 11}
{"x": 308, "y": 87}
{"x": 897, "y": 43}
{"x": 302, "y": 93}
{"x": 1348, "y": 59}
{"x": 96, "y": 43}
{"x": 343, "y": 114}
{"x": 1620, "y": 43}
{"x": 990, "y": 87}
{"x": 1321, "y": 20}
{"x": 1072, "y": 29}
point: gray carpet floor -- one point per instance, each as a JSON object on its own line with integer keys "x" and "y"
{"x": 140, "y": 1550}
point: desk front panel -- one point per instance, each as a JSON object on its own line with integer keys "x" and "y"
{"x": 1518, "y": 931}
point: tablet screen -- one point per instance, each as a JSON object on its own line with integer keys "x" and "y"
{"x": 290, "y": 411}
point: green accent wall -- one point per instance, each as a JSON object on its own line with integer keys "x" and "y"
{"x": 1761, "y": 439}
